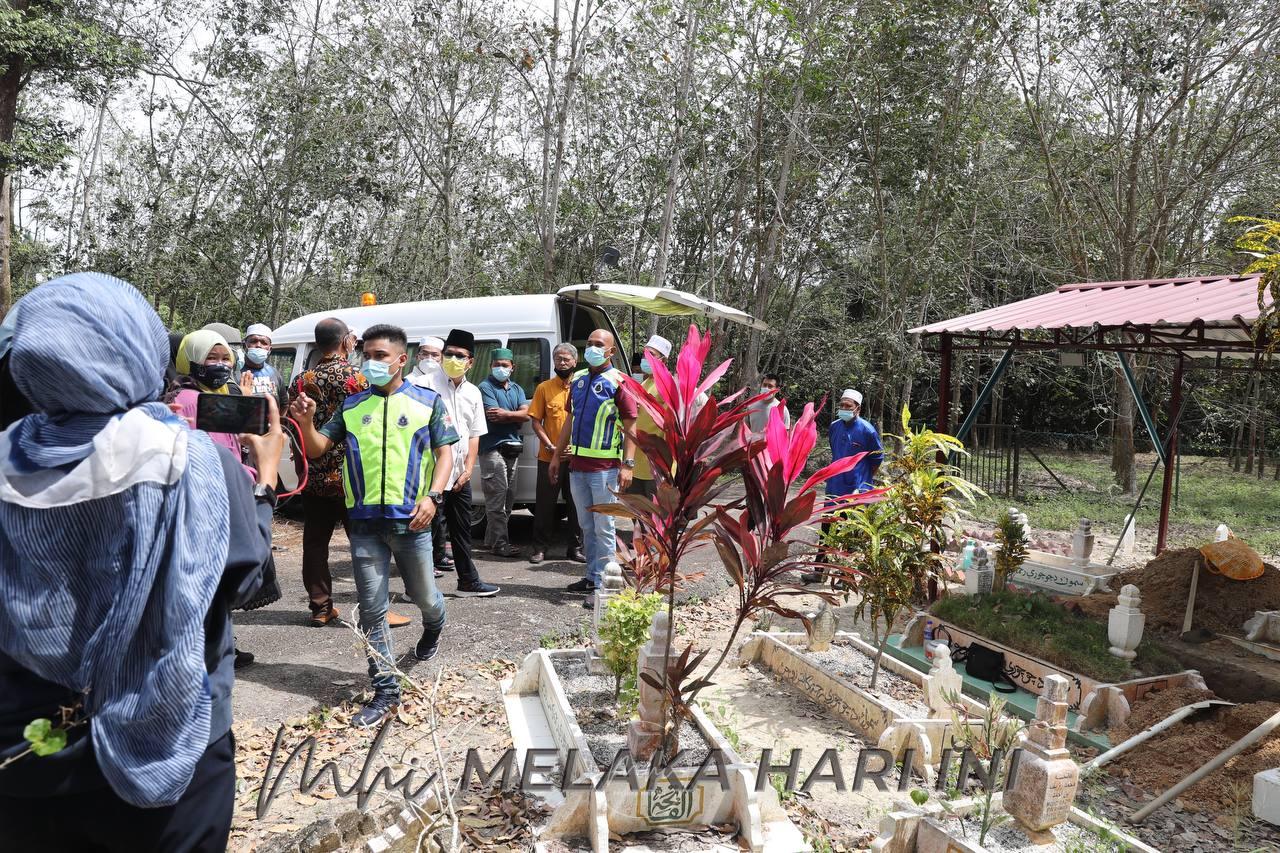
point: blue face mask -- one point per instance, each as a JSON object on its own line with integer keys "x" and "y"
{"x": 594, "y": 356}
{"x": 846, "y": 415}
{"x": 257, "y": 355}
{"x": 646, "y": 367}
{"x": 377, "y": 372}
{"x": 502, "y": 374}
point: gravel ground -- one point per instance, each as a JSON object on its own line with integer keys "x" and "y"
{"x": 591, "y": 697}
{"x": 1008, "y": 837}
{"x": 855, "y": 667}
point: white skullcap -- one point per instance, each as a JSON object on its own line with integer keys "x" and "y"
{"x": 258, "y": 329}
{"x": 850, "y": 394}
{"x": 434, "y": 343}
{"x": 658, "y": 343}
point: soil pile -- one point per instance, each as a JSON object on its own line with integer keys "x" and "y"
{"x": 1222, "y": 605}
{"x": 1170, "y": 757}
{"x": 1155, "y": 707}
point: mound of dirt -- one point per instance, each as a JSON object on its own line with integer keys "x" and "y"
{"x": 1155, "y": 707}
{"x": 1170, "y": 757}
{"x": 1222, "y": 605}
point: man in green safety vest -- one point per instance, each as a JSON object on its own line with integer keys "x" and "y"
{"x": 397, "y": 466}
{"x": 600, "y": 436}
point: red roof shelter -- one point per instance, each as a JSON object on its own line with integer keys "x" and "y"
{"x": 1202, "y": 317}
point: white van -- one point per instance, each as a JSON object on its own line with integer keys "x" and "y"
{"x": 530, "y": 326}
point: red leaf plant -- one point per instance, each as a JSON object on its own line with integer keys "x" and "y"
{"x": 700, "y": 440}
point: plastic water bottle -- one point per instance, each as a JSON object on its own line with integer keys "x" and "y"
{"x": 928, "y": 639}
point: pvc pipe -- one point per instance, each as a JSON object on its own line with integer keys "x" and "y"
{"x": 1220, "y": 759}
{"x": 1146, "y": 734}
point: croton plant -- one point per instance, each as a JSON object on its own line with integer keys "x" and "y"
{"x": 702, "y": 446}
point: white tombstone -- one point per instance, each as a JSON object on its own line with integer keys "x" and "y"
{"x": 1266, "y": 796}
{"x": 821, "y": 628}
{"x": 1082, "y": 543}
{"x": 1125, "y": 623}
{"x": 943, "y": 680}
{"x": 610, "y": 585}
{"x": 1263, "y": 627}
{"x": 1129, "y": 541}
{"x": 980, "y": 576}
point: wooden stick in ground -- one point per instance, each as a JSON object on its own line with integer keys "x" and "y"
{"x": 1191, "y": 599}
{"x": 1218, "y": 760}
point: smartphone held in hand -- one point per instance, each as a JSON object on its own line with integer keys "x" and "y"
{"x": 233, "y": 414}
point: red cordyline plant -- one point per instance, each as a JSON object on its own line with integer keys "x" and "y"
{"x": 701, "y": 439}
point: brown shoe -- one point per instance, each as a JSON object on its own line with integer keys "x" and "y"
{"x": 395, "y": 620}
{"x": 324, "y": 617}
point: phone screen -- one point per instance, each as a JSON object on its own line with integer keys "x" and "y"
{"x": 233, "y": 414}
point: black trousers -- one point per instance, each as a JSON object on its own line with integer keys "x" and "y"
{"x": 438, "y": 536}
{"x": 546, "y": 510}
{"x": 457, "y": 518}
{"x": 100, "y": 822}
{"x": 323, "y": 515}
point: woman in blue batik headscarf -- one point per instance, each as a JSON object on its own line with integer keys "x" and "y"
{"x": 125, "y": 540}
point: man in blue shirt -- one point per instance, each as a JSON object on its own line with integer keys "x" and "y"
{"x": 505, "y": 410}
{"x": 850, "y": 434}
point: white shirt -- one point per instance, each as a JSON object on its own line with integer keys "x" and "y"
{"x": 465, "y": 408}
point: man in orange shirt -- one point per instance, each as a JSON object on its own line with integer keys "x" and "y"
{"x": 548, "y": 413}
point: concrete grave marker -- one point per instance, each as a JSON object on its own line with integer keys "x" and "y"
{"x": 612, "y": 584}
{"x": 821, "y": 629}
{"x": 1045, "y": 786}
{"x": 943, "y": 681}
{"x": 1125, "y": 623}
{"x": 1082, "y": 543}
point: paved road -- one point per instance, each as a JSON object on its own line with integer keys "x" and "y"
{"x": 299, "y": 667}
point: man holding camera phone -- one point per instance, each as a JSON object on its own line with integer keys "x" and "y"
{"x": 397, "y": 466}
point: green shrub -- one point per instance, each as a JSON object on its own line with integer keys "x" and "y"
{"x": 624, "y": 628}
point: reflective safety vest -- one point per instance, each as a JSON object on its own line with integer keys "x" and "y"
{"x": 389, "y": 462}
{"x": 596, "y": 432}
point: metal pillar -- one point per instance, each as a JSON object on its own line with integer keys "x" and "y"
{"x": 1171, "y": 454}
{"x": 944, "y": 387}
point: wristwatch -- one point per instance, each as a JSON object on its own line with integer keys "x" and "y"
{"x": 437, "y": 497}
{"x": 630, "y": 463}
{"x": 263, "y": 492}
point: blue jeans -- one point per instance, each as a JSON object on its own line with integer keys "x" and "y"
{"x": 373, "y": 544}
{"x": 599, "y": 540}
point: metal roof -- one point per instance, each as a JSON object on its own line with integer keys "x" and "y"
{"x": 1224, "y": 307}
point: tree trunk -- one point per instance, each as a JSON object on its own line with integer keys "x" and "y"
{"x": 1123, "y": 464}
{"x": 764, "y": 276}
{"x": 677, "y": 151}
{"x": 10, "y": 85}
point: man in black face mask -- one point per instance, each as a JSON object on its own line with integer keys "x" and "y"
{"x": 547, "y": 414}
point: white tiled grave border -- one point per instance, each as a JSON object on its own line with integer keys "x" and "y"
{"x": 540, "y": 717}
{"x": 914, "y": 831}
{"x": 870, "y": 716}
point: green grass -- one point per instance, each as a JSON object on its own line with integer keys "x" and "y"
{"x": 1210, "y": 494}
{"x": 1036, "y": 626}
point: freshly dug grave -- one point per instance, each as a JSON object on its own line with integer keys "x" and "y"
{"x": 1222, "y": 605}
{"x": 1170, "y": 757}
{"x": 1155, "y": 707}
{"x": 591, "y": 697}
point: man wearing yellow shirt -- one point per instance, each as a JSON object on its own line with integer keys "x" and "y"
{"x": 547, "y": 414}
{"x": 658, "y": 348}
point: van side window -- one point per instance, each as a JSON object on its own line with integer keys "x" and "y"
{"x": 282, "y": 359}
{"x": 532, "y": 356}
{"x": 533, "y": 362}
